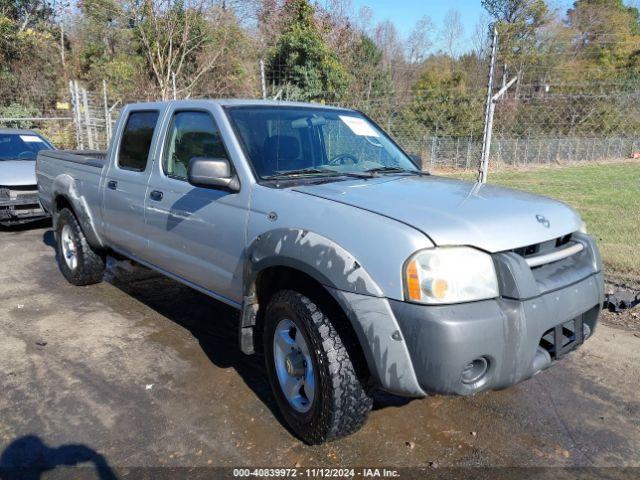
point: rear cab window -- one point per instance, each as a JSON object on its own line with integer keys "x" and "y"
{"x": 136, "y": 140}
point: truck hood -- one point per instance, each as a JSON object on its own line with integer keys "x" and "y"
{"x": 17, "y": 173}
{"x": 453, "y": 212}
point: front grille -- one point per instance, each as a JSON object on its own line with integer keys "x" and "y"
{"x": 22, "y": 198}
{"x": 24, "y": 193}
{"x": 544, "y": 247}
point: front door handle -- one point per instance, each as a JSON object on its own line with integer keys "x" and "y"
{"x": 156, "y": 195}
{"x": 112, "y": 184}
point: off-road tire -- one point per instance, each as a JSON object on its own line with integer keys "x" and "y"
{"x": 341, "y": 403}
{"x": 91, "y": 263}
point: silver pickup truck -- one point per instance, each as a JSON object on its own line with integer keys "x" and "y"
{"x": 351, "y": 268}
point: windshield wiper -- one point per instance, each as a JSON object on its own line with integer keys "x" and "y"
{"x": 316, "y": 171}
{"x": 388, "y": 169}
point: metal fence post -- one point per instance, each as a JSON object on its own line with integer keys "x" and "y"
{"x": 77, "y": 117}
{"x": 468, "y": 153}
{"x": 621, "y": 154}
{"x": 263, "y": 80}
{"x": 74, "y": 112}
{"x": 433, "y": 152}
{"x": 489, "y": 109}
{"x": 107, "y": 119}
{"x": 87, "y": 119}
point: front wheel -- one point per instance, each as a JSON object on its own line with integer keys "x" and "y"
{"x": 311, "y": 372}
{"x": 79, "y": 263}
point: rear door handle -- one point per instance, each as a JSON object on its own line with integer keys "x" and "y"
{"x": 112, "y": 184}
{"x": 156, "y": 195}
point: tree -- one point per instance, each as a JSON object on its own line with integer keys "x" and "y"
{"x": 301, "y": 62}
{"x": 419, "y": 40}
{"x": 452, "y": 32}
{"x": 105, "y": 48}
{"x": 26, "y": 13}
{"x": 608, "y": 35}
{"x": 26, "y": 40}
{"x": 445, "y": 102}
{"x": 518, "y": 22}
{"x": 170, "y": 33}
{"x": 370, "y": 84}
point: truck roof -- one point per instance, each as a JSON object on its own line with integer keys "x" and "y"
{"x": 227, "y": 102}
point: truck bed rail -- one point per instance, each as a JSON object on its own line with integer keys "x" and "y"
{"x": 91, "y": 158}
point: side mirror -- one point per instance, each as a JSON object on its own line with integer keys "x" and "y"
{"x": 211, "y": 173}
{"x": 416, "y": 158}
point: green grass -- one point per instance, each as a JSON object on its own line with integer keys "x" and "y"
{"x": 608, "y": 198}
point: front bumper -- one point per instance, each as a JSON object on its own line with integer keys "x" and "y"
{"x": 507, "y": 333}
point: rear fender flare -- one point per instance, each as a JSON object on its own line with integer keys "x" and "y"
{"x": 65, "y": 186}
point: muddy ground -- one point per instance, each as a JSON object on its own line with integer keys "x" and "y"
{"x": 141, "y": 371}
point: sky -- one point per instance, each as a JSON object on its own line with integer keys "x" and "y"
{"x": 405, "y": 13}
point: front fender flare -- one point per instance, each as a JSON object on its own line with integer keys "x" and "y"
{"x": 313, "y": 254}
{"x": 348, "y": 282}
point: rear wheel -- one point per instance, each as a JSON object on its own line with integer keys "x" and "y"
{"x": 311, "y": 372}
{"x": 79, "y": 263}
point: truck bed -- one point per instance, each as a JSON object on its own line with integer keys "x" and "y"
{"x": 76, "y": 173}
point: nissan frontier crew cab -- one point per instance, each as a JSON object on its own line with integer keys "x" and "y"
{"x": 351, "y": 269}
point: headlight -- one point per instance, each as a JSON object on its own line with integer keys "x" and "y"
{"x": 450, "y": 275}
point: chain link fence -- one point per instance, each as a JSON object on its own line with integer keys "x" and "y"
{"x": 530, "y": 128}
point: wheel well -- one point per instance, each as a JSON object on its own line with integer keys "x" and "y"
{"x": 273, "y": 279}
{"x": 62, "y": 202}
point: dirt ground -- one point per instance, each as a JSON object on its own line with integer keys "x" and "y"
{"x": 141, "y": 371}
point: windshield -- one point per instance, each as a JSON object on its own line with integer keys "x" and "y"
{"x": 21, "y": 146}
{"x": 292, "y": 141}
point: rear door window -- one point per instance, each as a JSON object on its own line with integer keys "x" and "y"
{"x": 136, "y": 140}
